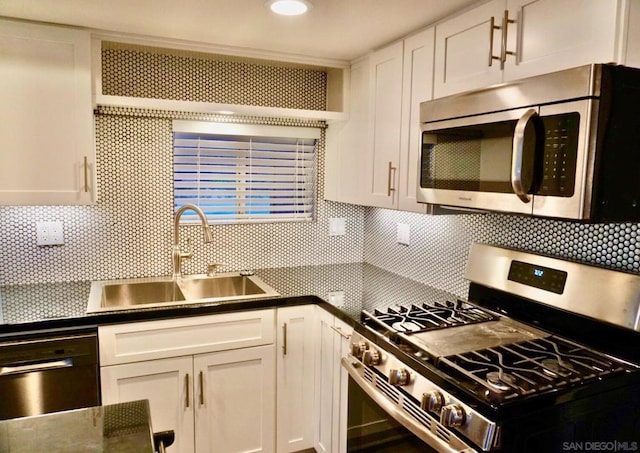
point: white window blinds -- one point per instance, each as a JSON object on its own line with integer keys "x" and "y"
{"x": 244, "y": 173}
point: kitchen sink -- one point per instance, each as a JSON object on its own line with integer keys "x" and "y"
{"x": 232, "y": 286}
{"x": 128, "y": 294}
{"x": 161, "y": 291}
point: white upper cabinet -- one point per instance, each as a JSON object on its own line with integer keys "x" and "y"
{"x": 47, "y": 139}
{"x": 505, "y": 40}
{"x": 385, "y": 116}
{"x": 417, "y": 87}
{"x": 347, "y": 144}
{"x": 549, "y": 35}
{"x": 464, "y": 46}
{"x": 372, "y": 159}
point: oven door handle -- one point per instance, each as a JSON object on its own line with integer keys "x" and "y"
{"x": 35, "y": 367}
{"x": 416, "y": 428}
{"x": 517, "y": 156}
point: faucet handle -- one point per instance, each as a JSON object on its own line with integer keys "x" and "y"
{"x": 212, "y": 267}
{"x": 188, "y": 254}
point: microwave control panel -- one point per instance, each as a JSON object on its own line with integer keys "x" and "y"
{"x": 560, "y": 154}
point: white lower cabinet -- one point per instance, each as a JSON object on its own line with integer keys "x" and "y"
{"x": 218, "y": 401}
{"x": 225, "y": 400}
{"x": 332, "y": 380}
{"x": 167, "y": 384}
{"x": 235, "y": 400}
{"x": 295, "y": 356}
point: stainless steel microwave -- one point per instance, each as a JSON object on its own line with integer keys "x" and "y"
{"x": 562, "y": 145}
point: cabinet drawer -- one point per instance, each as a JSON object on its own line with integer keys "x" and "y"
{"x": 126, "y": 343}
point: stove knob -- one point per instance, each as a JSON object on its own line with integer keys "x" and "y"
{"x": 357, "y": 349}
{"x": 371, "y": 357}
{"x": 399, "y": 377}
{"x": 432, "y": 401}
{"x": 453, "y": 415}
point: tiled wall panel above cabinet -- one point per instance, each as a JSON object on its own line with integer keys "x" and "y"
{"x": 164, "y": 75}
{"x": 505, "y": 40}
{"x": 48, "y": 152}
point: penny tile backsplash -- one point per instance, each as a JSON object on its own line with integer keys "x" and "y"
{"x": 128, "y": 233}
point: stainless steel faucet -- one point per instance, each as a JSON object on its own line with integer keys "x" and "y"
{"x": 178, "y": 256}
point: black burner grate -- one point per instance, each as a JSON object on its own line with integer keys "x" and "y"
{"x": 422, "y": 318}
{"x": 518, "y": 369}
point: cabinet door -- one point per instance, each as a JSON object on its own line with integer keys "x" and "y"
{"x": 417, "y": 87}
{"x": 235, "y": 400}
{"x": 323, "y": 431}
{"x": 48, "y": 154}
{"x": 342, "y": 344}
{"x": 347, "y": 146}
{"x": 550, "y": 35}
{"x": 464, "y": 45}
{"x": 167, "y": 384}
{"x": 385, "y": 110}
{"x": 295, "y": 352}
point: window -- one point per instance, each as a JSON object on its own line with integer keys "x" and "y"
{"x": 238, "y": 173}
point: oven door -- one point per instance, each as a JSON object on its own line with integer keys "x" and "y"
{"x": 376, "y": 424}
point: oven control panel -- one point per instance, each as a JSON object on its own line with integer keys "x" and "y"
{"x": 537, "y": 276}
{"x": 428, "y": 402}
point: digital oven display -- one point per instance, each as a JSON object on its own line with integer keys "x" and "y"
{"x": 538, "y": 276}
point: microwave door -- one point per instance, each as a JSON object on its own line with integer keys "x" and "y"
{"x": 568, "y": 160}
{"x": 466, "y": 162}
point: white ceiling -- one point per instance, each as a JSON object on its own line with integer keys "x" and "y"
{"x": 334, "y": 29}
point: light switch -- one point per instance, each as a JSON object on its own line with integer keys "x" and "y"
{"x": 404, "y": 234}
{"x": 337, "y": 226}
{"x": 49, "y": 233}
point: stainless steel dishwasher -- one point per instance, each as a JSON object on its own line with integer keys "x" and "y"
{"x": 48, "y": 373}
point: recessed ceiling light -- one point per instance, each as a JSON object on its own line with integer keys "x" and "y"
{"x": 289, "y": 7}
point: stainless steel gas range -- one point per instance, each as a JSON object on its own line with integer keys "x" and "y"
{"x": 544, "y": 356}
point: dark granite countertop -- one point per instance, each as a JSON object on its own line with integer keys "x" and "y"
{"x": 117, "y": 428}
{"x": 63, "y": 305}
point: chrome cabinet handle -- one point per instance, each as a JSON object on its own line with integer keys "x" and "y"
{"x": 492, "y": 28}
{"x": 201, "y": 378}
{"x": 390, "y": 187}
{"x": 505, "y": 28}
{"x": 341, "y": 333}
{"x": 86, "y": 174}
{"x": 284, "y": 339}
{"x": 186, "y": 383}
{"x": 518, "y": 155}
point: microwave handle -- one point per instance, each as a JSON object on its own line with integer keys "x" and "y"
{"x": 517, "y": 156}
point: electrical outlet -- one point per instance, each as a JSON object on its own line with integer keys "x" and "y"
{"x": 336, "y": 298}
{"x": 49, "y": 233}
{"x": 337, "y": 226}
{"x": 404, "y": 234}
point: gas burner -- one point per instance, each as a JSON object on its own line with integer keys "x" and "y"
{"x": 501, "y": 381}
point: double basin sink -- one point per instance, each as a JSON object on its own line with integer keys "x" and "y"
{"x": 159, "y": 291}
